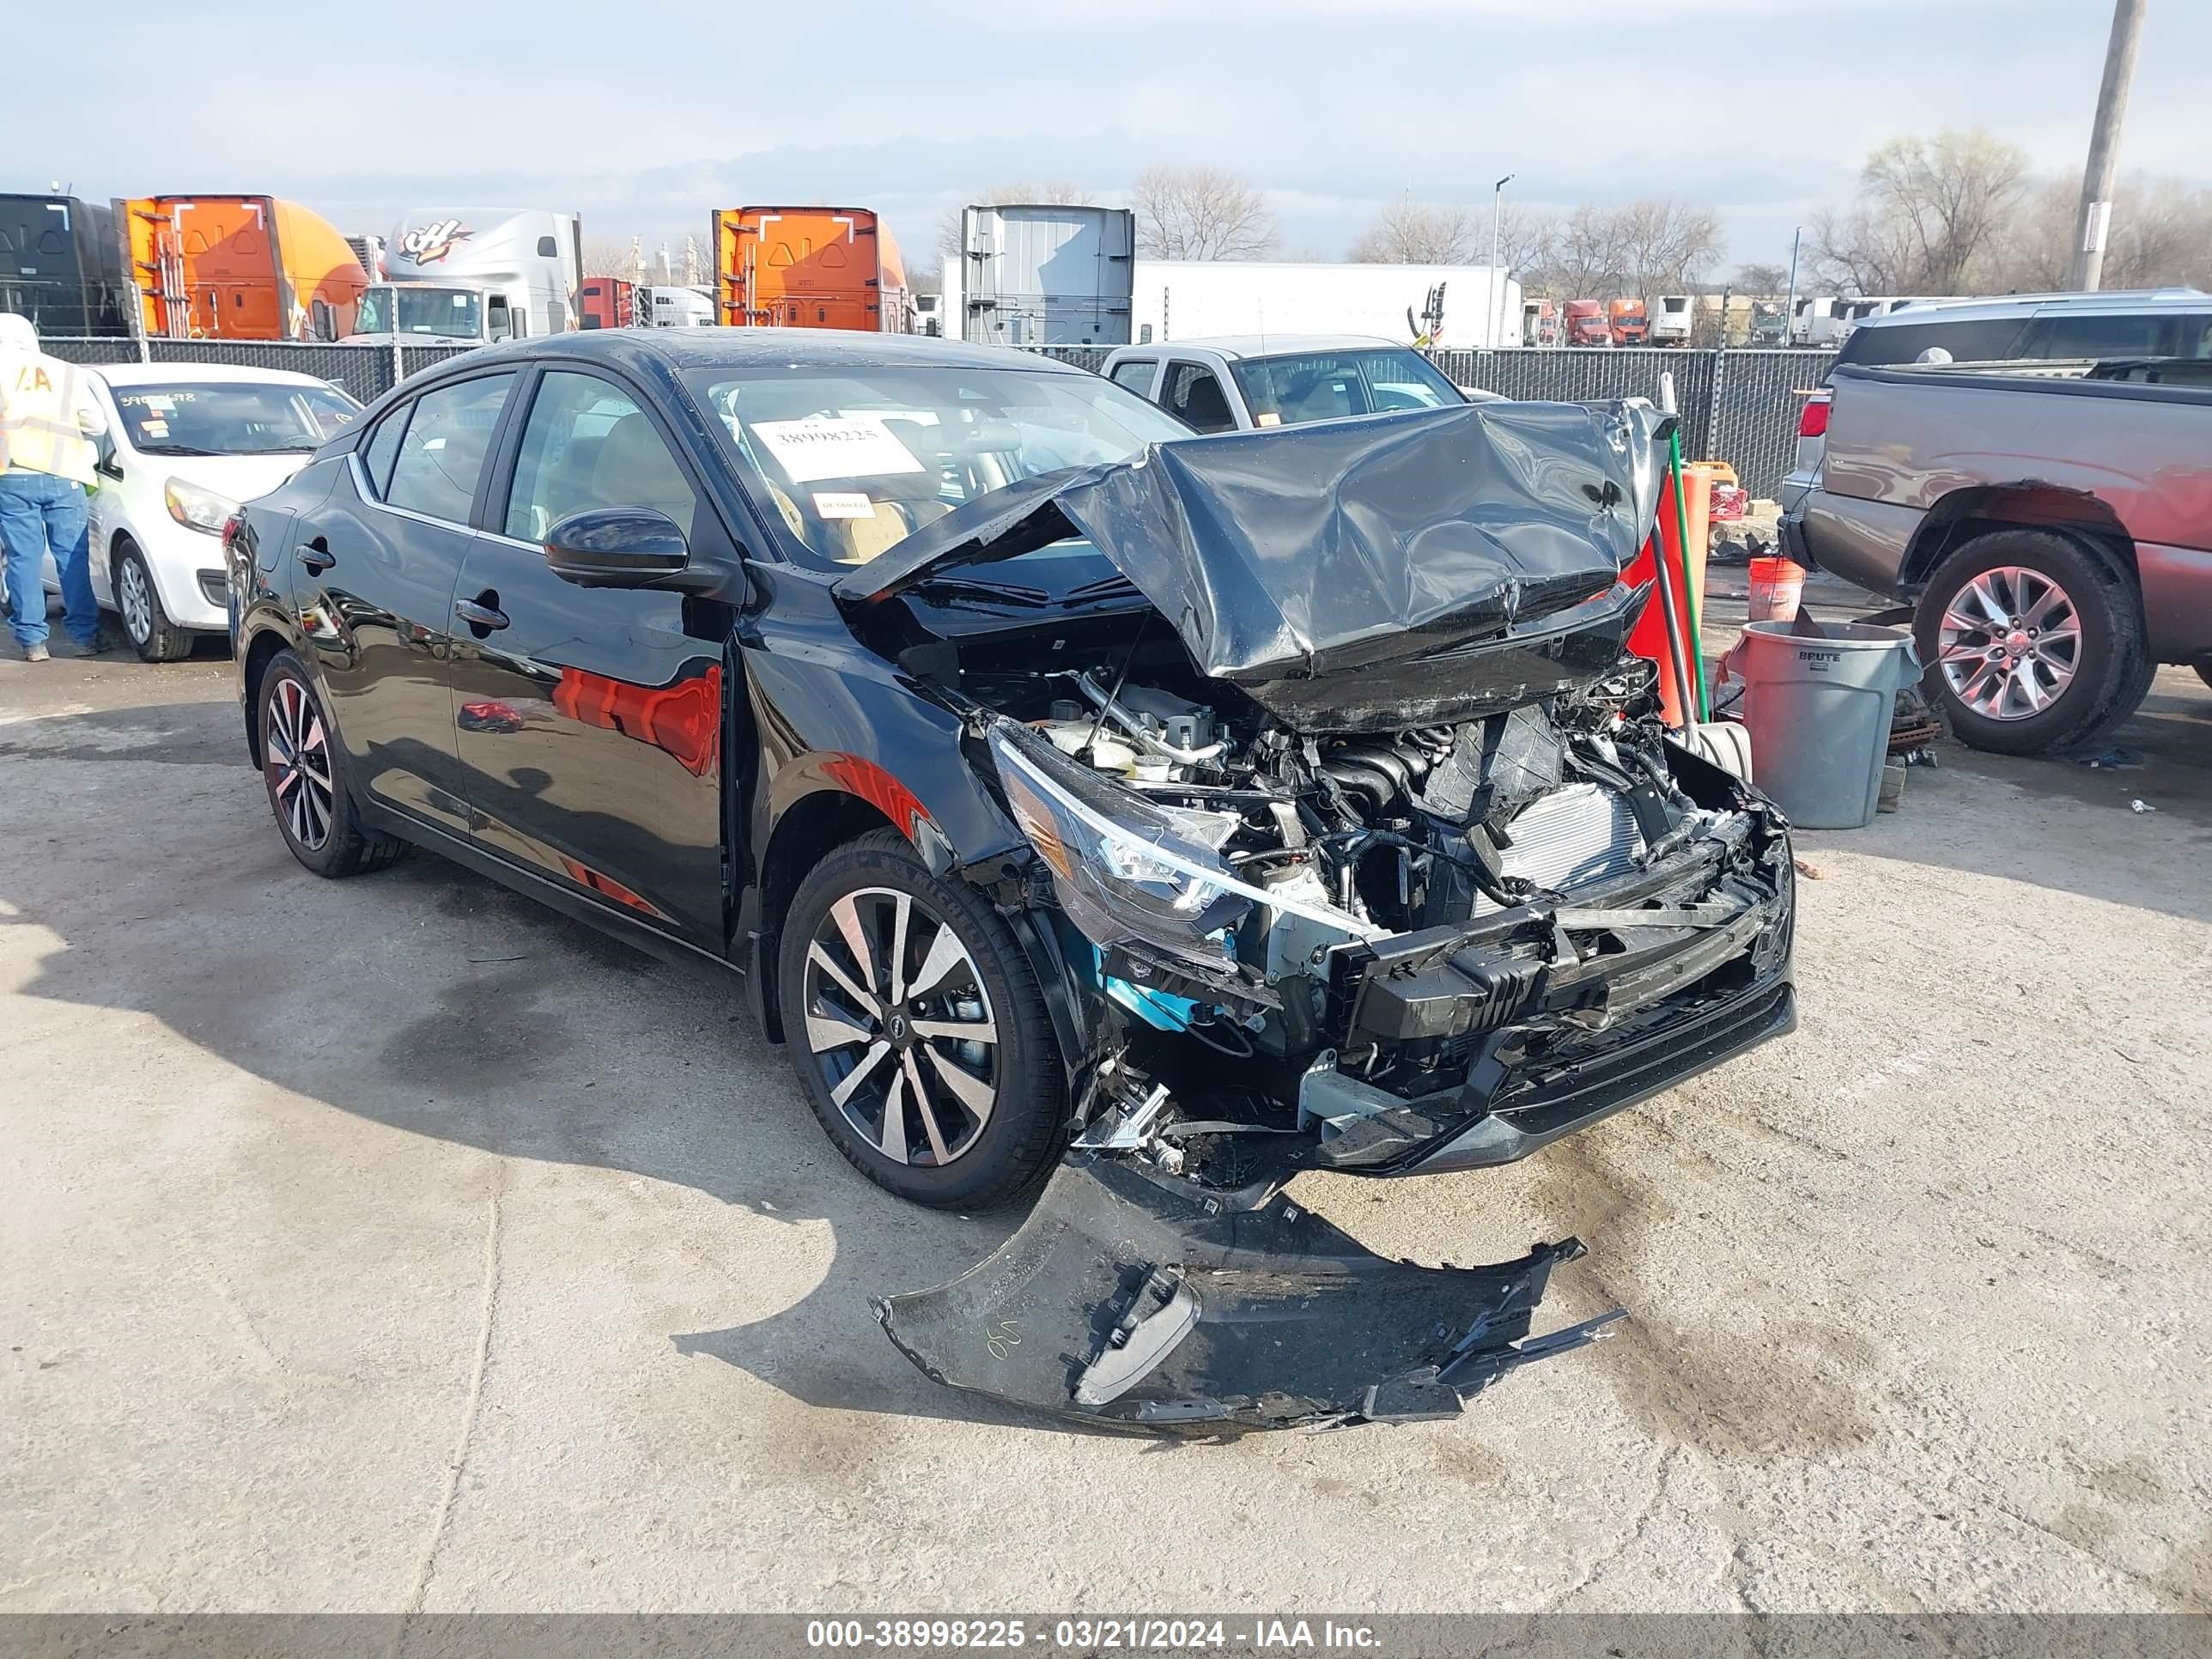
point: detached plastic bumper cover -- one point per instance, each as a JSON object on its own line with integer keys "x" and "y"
{"x": 1128, "y": 1302}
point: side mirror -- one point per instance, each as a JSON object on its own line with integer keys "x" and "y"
{"x": 105, "y": 461}
{"x": 618, "y": 547}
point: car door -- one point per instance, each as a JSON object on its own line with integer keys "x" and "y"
{"x": 589, "y": 720}
{"x": 376, "y": 564}
{"x": 1194, "y": 392}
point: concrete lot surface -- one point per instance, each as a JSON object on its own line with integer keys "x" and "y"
{"x": 393, "y": 1245}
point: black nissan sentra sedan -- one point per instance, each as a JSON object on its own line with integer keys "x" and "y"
{"x": 1084, "y": 802}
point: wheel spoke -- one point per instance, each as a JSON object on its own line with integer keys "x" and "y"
{"x": 985, "y": 1030}
{"x": 296, "y": 809}
{"x": 832, "y": 1031}
{"x": 964, "y": 1086}
{"x": 852, "y": 1079}
{"x": 901, "y": 909}
{"x": 892, "y": 1140}
{"x": 929, "y": 1124}
{"x": 822, "y": 958}
{"x": 944, "y": 955}
{"x": 2029, "y": 686}
{"x": 847, "y": 914}
{"x": 1983, "y": 594}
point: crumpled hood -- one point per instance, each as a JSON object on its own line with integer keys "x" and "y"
{"x": 1345, "y": 548}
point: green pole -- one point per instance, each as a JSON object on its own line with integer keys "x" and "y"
{"x": 1703, "y": 702}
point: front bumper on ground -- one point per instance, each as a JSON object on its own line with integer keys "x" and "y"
{"x": 1130, "y": 1301}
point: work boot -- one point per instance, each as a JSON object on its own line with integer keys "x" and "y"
{"x": 36, "y": 653}
{"x": 76, "y": 648}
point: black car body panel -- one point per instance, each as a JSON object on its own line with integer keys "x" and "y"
{"x": 1464, "y": 899}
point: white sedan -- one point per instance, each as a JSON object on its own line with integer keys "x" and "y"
{"x": 190, "y": 442}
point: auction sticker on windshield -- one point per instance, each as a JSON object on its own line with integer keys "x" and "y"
{"x": 836, "y": 447}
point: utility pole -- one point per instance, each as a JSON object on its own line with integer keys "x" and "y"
{"x": 1496, "y": 277}
{"x": 2096, "y": 214}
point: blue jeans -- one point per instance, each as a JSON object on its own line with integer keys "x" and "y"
{"x": 39, "y": 511}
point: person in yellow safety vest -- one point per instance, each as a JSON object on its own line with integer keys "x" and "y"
{"x": 49, "y": 416}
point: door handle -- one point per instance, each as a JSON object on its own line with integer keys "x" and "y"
{"x": 482, "y": 617}
{"x": 316, "y": 557}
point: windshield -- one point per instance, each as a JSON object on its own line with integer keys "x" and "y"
{"x": 1326, "y": 385}
{"x": 854, "y": 460}
{"x": 232, "y": 417}
{"x": 422, "y": 311}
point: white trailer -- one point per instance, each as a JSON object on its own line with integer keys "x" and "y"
{"x": 1183, "y": 300}
{"x": 1671, "y": 315}
{"x": 665, "y": 307}
{"x": 528, "y": 264}
{"x": 1041, "y": 274}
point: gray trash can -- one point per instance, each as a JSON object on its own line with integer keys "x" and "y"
{"x": 1818, "y": 710}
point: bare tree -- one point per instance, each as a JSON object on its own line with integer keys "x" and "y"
{"x": 611, "y": 256}
{"x": 1411, "y": 233}
{"x": 2162, "y": 232}
{"x": 1527, "y": 242}
{"x": 1064, "y": 192}
{"x": 1201, "y": 213}
{"x": 1760, "y": 280}
{"x": 1665, "y": 245}
{"x": 1928, "y": 218}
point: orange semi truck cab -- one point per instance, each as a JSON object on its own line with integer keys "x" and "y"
{"x": 809, "y": 267}
{"x": 1630, "y": 327}
{"x": 239, "y": 268}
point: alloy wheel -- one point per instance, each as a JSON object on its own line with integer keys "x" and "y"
{"x": 2009, "y": 643}
{"x": 133, "y": 598}
{"x": 296, "y": 745}
{"x": 899, "y": 1020}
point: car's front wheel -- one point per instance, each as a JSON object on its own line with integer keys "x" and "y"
{"x": 917, "y": 1028}
{"x": 138, "y": 603}
{"x": 304, "y": 769}
{"x": 2034, "y": 641}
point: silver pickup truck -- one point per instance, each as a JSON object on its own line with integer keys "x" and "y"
{"x": 2055, "y": 534}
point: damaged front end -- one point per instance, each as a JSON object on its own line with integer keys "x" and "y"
{"x": 1375, "y": 859}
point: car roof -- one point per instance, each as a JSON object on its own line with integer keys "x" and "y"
{"x": 2118, "y": 300}
{"x": 171, "y": 373}
{"x": 686, "y": 349}
{"x": 1271, "y": 345}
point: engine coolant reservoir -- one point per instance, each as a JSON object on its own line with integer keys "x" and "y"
{"x": 1107, "y": 754}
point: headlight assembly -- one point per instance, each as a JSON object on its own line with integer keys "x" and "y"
{"x": 197, "y": 508}
{"x": 1126, "y": 868}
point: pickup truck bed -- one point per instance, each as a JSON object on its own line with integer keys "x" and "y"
{"x": 2056, "y": 532}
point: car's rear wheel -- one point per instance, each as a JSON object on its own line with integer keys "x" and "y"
{"x": 2033, "y": 640}
{"x": 138, "y": 603}
{"x": 917, "y": 1028}
{"x": 304, "y": 769}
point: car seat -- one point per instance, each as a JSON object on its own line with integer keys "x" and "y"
{"x": 635, "y": 469}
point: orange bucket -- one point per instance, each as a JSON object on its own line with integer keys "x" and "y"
{"x": 1778, "y": 587}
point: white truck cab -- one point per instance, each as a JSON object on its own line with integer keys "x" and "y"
{"x": 1242, "y": 383}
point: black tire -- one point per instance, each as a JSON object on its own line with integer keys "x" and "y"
{"x": 1016, "y": 1140}
{"x": 164, "y": 642}
{"x": 319, "y": 820}
{"x": 2111, "y": 671}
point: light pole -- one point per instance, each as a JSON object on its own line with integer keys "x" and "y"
{"x": 1790, "y": 305}
{"x": 2088, "y": 266}
{"x": 1496, "y": 277}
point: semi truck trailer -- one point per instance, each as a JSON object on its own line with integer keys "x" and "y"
{"x": 237, "y": 268}
{"x": 810, "y": 267}
{"x": 1042, "y": 274}
{"x": 61, "y": 266}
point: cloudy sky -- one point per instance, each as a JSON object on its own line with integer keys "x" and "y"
{"x": 647, "y": 116}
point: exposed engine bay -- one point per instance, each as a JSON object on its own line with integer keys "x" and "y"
{"x": 1342, "y": 875}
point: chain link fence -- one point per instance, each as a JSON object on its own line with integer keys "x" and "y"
{"x": 1738, "y": 407}
{"x": 367, "y": 371}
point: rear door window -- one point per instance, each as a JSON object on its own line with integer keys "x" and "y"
{"x": 448, "y": 439}
{"x": 2086, "y": 334}
{"x": 1194, "y": 392}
